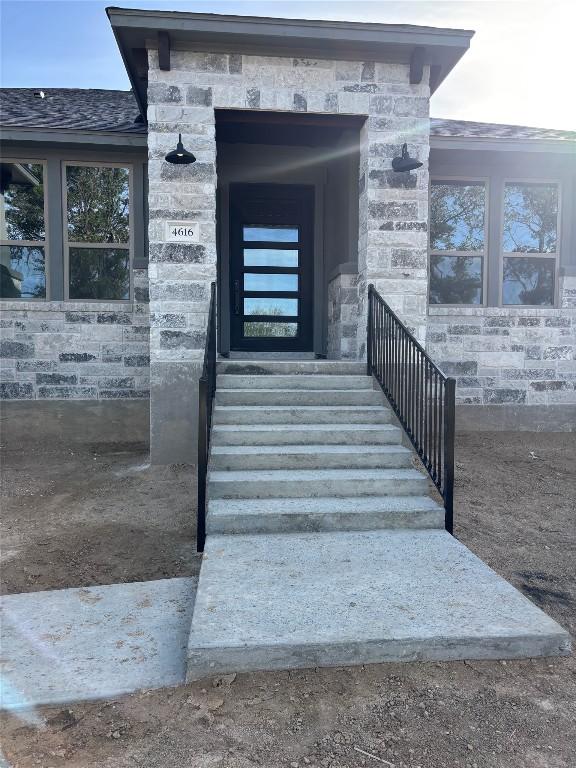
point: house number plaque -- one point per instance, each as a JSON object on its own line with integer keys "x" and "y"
{"x": 182, "y": 232}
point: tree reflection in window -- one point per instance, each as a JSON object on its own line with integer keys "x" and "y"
{"x": 455, "y": 279}
{"x": 530, "y": 218}
{"x": 457, "y": 216}
{"x": 457, "y": 241}
{"x": 98, "y": 204}
{"x": 98, "y": 214}
{"x": 22, "y": 231}
{"x": 528, "y": 281}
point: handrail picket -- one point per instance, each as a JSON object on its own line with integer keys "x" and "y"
{"x": 420, "y": 395}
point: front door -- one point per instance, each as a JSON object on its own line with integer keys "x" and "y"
{"x": 271, "y": 267}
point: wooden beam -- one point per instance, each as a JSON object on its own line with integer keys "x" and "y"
{"x": 417, "y": 65}
{"x": 164, "y": 50}
{"x": 435, "y": 72}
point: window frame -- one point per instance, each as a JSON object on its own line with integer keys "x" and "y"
{"x": 485, "y": 180}
{"x": 67, "y": 244}
{"x": 502, "y": 254}
{"x": 34, "y": 243}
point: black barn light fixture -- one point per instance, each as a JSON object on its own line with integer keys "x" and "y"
{"x": 405, "y": 163}
{"x": 180, "y": 156}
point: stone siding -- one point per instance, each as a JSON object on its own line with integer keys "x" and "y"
{"x": 69, "y": 350}
{"x": 392, "y": 207}
{"x": 508, "y": 355}
{"x": 342, "y": 317}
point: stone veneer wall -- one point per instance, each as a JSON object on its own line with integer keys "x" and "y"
{"x": 393, "y": 207}
{"x": 517, "y": 355}
{"x": 69, "y": 350}
{"x": 342, "y": 334}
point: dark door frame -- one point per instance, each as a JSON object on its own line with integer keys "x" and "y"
{"x": 273, "y": 199}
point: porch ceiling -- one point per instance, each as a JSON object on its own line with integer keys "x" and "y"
{"x": 235, "y": 126}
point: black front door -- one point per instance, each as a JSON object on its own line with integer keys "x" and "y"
{"x": 271, "y": 267}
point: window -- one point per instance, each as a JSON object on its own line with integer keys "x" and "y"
{"x": 530, "y": 243}
{"x": 22, "y": 230}
{"x": 457, "y": 241}
{"x": 97, "y": 231}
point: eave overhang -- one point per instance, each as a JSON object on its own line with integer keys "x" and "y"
{"x": 417, "y": 46}
{"x": 479, "y": 143}
{"x": 58, "y": 137}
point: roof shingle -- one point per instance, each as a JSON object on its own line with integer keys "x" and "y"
{"x": 76, "y": 109}
{"x": 116, "y": 111}
{"x": 472, "y": 130}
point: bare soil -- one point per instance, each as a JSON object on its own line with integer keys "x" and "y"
{"x": 98, "y": 514}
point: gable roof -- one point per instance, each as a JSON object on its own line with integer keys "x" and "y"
{"x": 74, "y": 109}
{"x": 136, "y": 29}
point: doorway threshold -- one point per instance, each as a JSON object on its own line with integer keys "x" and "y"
{"x": 269, "y": 356}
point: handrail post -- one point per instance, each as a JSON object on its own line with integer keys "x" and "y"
{"x": 206, "y": 389}
{"x": 449, "y": 435}
{"x": 370, "y": 314}
{"x": 202, "y": 462}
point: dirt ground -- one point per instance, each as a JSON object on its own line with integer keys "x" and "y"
{"x": 97, "y": 513}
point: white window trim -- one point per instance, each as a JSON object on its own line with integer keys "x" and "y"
{"x": 67, "y": 244}
{"x": 34, "y": 243}
{"x": 521, "y": 254}
{"x": 483, "y": 253}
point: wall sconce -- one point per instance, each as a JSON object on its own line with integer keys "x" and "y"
{"x": 180, "y": 156}
{"x": 405, "y": 163}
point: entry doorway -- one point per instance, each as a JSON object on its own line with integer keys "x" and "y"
{"x": 271, "y": 267}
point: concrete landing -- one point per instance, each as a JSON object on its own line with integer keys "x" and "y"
{"x": 303, "y": 600}
{"x": 76, "y": 644}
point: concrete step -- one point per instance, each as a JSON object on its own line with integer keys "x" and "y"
{"x": 299, "y": 600}
{"x": 305, "y": 434}
{"x": 305, "y": 414}
{"x": 240, "y": 457}
{"x": 234, "y": 516}
{"x": 298, "y": 381}
{"x": 271, "y": 367}
{"x": 304, "y": 483}
{"x": 298, "y": 397}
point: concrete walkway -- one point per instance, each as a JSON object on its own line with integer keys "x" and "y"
{"x": 294, "y": 600}
{"x": 76, "y": 644}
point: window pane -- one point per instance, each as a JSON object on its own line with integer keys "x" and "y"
{"x": 528, "y": 281}
{"x": 455, "y": 280}
{"x": 99, "y": 273}
{"x": 98, "y": 204}
{"x": 271, "y": 307}
{"x": 21, "y": 201}
{"x": 267, "y": 257}
{"x": 274, "y": 234}
{"x": 530, "y": 218}
{"x": 457, "y": 216}
{"x": 22, "y": 272}
{"x": 255, "y": 282}
{"x": 286, "y": 330}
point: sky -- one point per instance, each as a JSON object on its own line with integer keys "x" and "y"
{"x": 520, "y": 67}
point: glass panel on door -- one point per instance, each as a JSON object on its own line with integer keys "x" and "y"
{"x": 277, "y": 274}
{"x": 271, "y": 266}
{"x": 269, "y": 257}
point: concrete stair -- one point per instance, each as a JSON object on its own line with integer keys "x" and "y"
{"x": 324, "y": 546}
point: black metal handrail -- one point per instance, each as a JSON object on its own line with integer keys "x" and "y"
{"x": 206, "y": 390}
{"x": 421, "y": 396}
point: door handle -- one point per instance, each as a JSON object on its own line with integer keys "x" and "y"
{"x": 236, "y": 297}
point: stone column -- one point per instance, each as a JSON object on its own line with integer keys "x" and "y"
{"x": 180, "y": 274}
{"x": 393, "y": 207}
